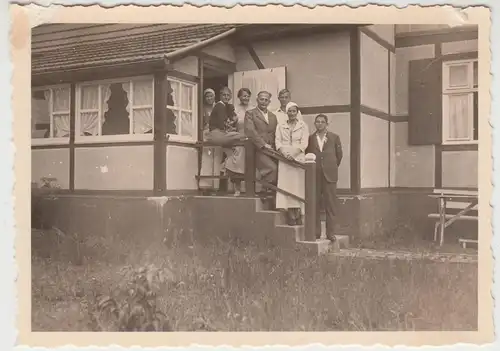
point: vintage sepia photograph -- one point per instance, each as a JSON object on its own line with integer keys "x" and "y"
{"x": 198, "y": 176}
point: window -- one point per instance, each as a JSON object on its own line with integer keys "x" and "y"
{"x": 182, "y": 109}
{"x": 460, "y": 102}
{"x": 112, "y": 110}
{"x": 50, "y": 114}
{"x": 115, "y": 109}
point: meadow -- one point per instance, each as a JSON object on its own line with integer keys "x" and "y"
{"x": 91, "y": 285}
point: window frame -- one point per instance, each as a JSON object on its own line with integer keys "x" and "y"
{"x": 51, "y": 140}
{"x": 448, "y": 91}
{"x": 88, "y": 139}
{"x": 194, "y": 111}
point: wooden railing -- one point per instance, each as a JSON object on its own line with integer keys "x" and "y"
{"x": 250, "y": 179}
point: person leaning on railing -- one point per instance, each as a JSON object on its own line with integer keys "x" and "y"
{"x": 260, "y": 127}
{"x": 291, "y": 141}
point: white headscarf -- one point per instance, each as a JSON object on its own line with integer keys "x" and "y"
{"x": 289, "y": 106}
{"x": 208, "y": 91}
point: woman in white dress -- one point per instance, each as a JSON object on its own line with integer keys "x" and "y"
{"x": 292, "y": 137}
{"x": 235, "y": 162}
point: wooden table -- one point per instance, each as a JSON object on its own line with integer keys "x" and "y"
{"x": 444, "y": 219}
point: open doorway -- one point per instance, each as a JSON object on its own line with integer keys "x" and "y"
{"x": 216, "y": 83}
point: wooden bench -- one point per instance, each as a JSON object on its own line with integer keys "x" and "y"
{"x": 462, "y": 200}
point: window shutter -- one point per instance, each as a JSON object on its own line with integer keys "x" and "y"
{"x": 425, "y": 102}
{"x": 271, "y": 79}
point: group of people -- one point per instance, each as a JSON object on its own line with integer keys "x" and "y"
{"x": 283, "y": 131}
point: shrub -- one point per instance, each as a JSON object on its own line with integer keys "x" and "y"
{"x": 132, "y": 306}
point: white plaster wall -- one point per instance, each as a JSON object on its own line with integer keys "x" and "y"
{"x": 374, "y": 74}
{"x": 222, "y": 49}
{"x": 415, "y": 165}
{"x": 53, "y": 163}
{"x": 460, "y": 169}
{"x": 393, "y": 79}
{"x": 392, "y": 154}
{"x": 114, "y": 168}
{"x": 374, "y": 152}
{"x": 318, "y": 66}
{"x": 385, "y": 31}
{"x": 182, "y": 167}
{"x": 188, "y": 65}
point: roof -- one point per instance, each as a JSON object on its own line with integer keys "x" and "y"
{"x": 122, "y": 48}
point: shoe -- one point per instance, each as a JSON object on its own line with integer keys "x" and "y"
{"x": 237, "y": 193}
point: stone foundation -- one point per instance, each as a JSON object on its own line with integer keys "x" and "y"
{"x": 137, "y": 220}
{"x": 187, "y": 219}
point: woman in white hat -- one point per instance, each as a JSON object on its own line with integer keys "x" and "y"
{"x": 292, "y": 137}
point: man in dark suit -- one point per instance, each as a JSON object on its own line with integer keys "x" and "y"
{"x": 328, "y": 150}
{"x": 260, "y": 127}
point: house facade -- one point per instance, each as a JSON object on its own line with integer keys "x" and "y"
{"x": 402, "y": 98}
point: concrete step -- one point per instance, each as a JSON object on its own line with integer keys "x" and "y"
{"x": 316, "y": 248}
{"x": 324, "y": 246}
{"x": 342, "y": 241}
{"x": 279, "y": 217}
{"x": 297, "y": 231}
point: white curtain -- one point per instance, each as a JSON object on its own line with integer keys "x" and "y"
{"x": 60, "y": 112}
{"x": 459, "y": 116}
{"x": 143, "y": 114}
{"x": 61, "y": 126}
{"x": 89, "y": 121}
{"x": 187, "y": 124}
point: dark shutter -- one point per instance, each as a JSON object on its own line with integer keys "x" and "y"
{"x": 425, "y": 102}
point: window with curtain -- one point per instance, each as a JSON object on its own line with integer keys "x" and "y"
{"x": 117, "y": 107}
{"x": 181, "y": 108}
{"x": 50, "y": 112}
{"x": 460, "y": 101}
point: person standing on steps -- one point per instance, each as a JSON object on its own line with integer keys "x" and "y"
{"x": 235, "y": 162}
{"x": 292, "y": 137}
{"x": 285, "y": 96}
{"x": 328, "y": 150}
{"x": 260, "y": 127}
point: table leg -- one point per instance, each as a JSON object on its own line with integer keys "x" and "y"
{"x": 442, "y": 219}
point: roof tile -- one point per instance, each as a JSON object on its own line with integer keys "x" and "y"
{"x": 125, "y": 49}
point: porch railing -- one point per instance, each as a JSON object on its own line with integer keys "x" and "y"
{"x": 251, "y": 180}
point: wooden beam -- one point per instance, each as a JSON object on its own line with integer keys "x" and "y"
{"x": 72, "y": 129}
{"x": 160, "y": 133}
{"x": 355, "y": 74}
{"x": 438, "y": 152}
{"x": 254, "y": 56}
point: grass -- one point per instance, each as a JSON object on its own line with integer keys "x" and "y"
{"x": 237, "y": 288}
{"x": 407, "y": 238}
